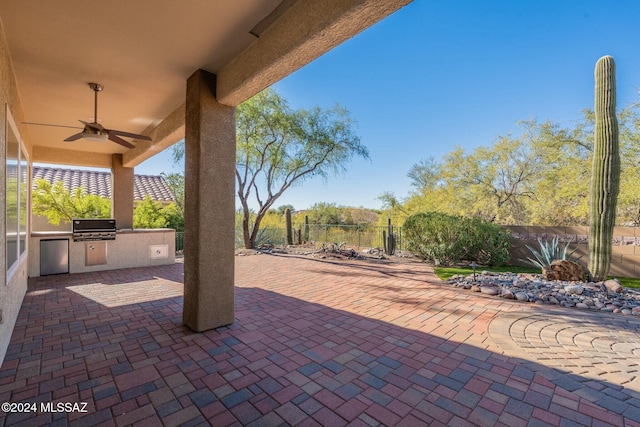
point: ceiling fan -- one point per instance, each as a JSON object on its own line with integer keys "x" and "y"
{"x": 94, "y": 131}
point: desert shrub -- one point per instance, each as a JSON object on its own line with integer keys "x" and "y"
{"x": 448, "y": 239}
{"x": 549, "y": 252}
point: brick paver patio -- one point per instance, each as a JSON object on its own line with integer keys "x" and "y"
{"x": 315, "y": 342}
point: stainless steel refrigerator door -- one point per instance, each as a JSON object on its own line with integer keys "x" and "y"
{"x": 54, "y": 256}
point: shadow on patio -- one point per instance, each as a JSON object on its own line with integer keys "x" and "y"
{"x": 310, "y": 346}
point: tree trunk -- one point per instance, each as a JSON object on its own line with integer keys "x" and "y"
{"x": 253, "y": 233}
{"x": 248, "y": 243}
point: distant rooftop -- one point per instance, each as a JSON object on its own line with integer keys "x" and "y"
{"x": 99, "y": 183}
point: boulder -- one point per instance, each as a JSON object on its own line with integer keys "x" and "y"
{"x": 489, "y": 290}
{"x": 506, "y": 293}
{"x": 563, "y": 270}
{"x": 613, "y": 286}
{"x": 574, "y": 289}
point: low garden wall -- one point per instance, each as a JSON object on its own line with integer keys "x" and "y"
{"x": 625, "y": 255}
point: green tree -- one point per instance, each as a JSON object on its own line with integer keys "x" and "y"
{"x": 425, "y": 176}
{"x": 278, "y": 147}
{"x": 175, "y": 218}
{"x": 60, "y": 204}
{"x": 329, "y": 213}
{"x": 540, "y": 177}
{"x": 281, "y": 209}
{"x": 562, "y": 183}
{"x": 175, "y": 181}
{"x": 393, "y": 208}
{"x": 151, "y": 214}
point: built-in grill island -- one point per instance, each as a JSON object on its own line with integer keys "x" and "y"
{"x": 85, "y": 230}
{"x": 94, "y": 245}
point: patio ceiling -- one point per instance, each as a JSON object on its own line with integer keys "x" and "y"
{"x": 142, "y": 52}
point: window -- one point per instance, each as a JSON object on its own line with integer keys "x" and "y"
{"x": 17, "y": 194}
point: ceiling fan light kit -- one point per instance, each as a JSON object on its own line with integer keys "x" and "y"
{"x": 95, "y": 132}
{"x": 95, "y": 137}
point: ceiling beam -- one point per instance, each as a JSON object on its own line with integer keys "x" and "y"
{"x": 42, "y": 154}
{"x": 307, "y": 30}
{"x": 164, "y": 135}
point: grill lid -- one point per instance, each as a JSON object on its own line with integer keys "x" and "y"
{"x": 94, "y": 229}
{"x": 93, "y": 224}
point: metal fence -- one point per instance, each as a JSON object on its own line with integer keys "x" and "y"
{"x": 179, "y": 241}
{"x": 363, "y": 235}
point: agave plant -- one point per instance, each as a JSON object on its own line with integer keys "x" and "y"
{"x": 549, "y": 252}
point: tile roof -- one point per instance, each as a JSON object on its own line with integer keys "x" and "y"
{"x": 100, "y": 183}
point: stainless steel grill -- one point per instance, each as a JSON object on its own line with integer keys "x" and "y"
{"x": 94, "y": 229}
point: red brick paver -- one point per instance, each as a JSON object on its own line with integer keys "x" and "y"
{"x": 315, "y": 342}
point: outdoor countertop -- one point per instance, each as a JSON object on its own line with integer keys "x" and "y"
{"x": 123, "y": 231}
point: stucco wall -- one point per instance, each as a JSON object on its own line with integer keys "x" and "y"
{"x": 11, "y": 293}
{"x": 625, "y": 253}
{"x": 41, "y": 223}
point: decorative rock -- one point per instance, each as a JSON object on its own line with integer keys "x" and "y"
{"x": 529, "y": 288}
{"x": 574, "y": 289}
{"x": 563, "y": 270}
{"x": 613, "y": 286}
{"x": 489, "y": 290}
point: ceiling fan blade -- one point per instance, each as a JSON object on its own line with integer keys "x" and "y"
{"x": 94, "y": 125}
{"x": 128, "y": 134}
{"x": 120, "y": 141}
{"x": 55, "y": 126}
{"x": 74, "y": 137}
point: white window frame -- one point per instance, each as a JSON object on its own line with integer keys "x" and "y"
{"x": 23, "y": 162}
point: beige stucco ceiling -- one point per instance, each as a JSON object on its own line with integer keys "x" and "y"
{"x": 142, "y": 52}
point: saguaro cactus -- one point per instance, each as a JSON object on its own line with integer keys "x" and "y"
{"x": 605, "y": 172}
{"x": 287, "y": 216}
{"x": 389, "y": 240}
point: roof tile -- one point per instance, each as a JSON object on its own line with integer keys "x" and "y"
{"x": 99, "y": 183}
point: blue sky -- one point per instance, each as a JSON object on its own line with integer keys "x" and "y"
{"x": 437, "y": 74}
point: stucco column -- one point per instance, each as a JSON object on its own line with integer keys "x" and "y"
{"x": 122, "y": 193}
{"x": 210, "y": 154}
